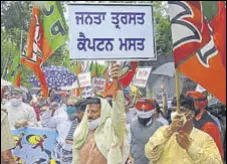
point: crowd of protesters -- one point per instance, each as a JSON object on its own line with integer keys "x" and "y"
{"x": 126, "y": 129}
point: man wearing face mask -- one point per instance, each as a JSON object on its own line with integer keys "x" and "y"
{"x": 75, "y": 110}
{"x": 19, "y": 113}
{"x": 55, "y": 117}
{"x": 180, "y": 142}
{"x": 204, "y": 121}
{"x": 142, "y": 129}
{"x": 39, "y": 104}
{"x": 100, "y": 138}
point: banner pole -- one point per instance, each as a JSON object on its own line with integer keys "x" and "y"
{"x": 78, "y": 83}
{"x": 177, "y": 89}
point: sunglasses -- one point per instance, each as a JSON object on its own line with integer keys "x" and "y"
{"x": 145, "y": 105}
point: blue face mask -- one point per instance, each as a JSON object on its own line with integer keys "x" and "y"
{"x": 71, "y": 111}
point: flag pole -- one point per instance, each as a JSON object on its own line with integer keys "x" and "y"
{"x": 177, "y": 84}
{"x": 78, "y": 83}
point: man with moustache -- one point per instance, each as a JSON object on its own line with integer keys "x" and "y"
{"x": 100, "y": 137}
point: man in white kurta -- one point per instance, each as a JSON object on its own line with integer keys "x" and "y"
{"x": 19, "y": 113}
{"x": 56, "y": 118}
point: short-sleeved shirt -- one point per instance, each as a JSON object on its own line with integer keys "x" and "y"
{"x": 7, "y": 141}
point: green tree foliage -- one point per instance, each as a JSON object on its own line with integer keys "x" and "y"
{"x": 162, "y": 28}
{"x": 15, "y": 20}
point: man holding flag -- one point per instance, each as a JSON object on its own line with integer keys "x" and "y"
{"x": 199, "y": 50}
{"x": 181, "y": 143}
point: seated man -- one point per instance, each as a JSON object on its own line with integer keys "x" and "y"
{"x": 100, "y": 138}
{"x": 181, "y": 143}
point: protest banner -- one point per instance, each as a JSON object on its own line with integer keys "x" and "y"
{"x": 99, "y": 84}
{"x": 87, "y": 92}
{"x": 34, "y": 145}
{"x": 141, "y": 77}
{"x": 84, "y": 79}
{"x": 108, "y": 31}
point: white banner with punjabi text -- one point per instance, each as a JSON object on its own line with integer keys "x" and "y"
{"x": 108, "y": 31}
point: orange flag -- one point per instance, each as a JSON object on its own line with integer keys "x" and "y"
{"x": 197, "y": 52}
{"x": 32, "y": 58}
{"x": 47, "y": 33}
{"x": 218, "y": 24}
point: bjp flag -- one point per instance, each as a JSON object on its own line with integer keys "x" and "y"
{"x": 48, "y": 31}
{"x": 198, "y": 44}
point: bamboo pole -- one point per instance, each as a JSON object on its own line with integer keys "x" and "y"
{"x": 177, "y": 89}
{"x": 78, "y": 83}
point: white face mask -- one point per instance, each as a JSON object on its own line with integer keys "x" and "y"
{"x": 145, "y": 115}
{"x": 173, "y": 114}
{"x": 94, "y": 124}
{"x": 15, "y": 102}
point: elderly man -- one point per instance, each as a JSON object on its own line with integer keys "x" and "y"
{"x": 19, "y": 113}
{"x": 7, "y": 142}
{"x": 100, "y": 137}
{"x": 181, "y": 142}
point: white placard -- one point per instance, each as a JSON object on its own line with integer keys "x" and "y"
{"x": 84, "y": 79}
{"x": 109, "y": 31}
{"x": 99, "y": 84}
{"x": 87, "y": 92}
{"x": 141, "y": 77}
{"x": 199, "y": 88}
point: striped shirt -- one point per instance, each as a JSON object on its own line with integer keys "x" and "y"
{"x": 72, "y": 130}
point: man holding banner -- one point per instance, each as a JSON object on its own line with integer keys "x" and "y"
{"x": 100, "y": 137}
